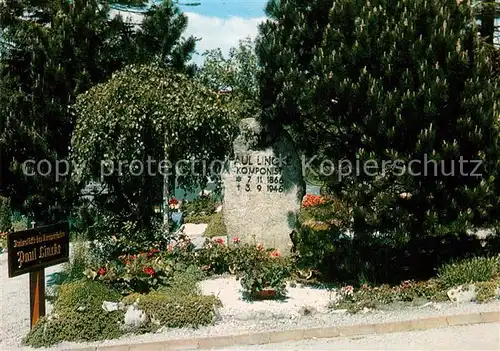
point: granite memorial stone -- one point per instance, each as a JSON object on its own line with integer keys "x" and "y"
{"x": 262, "y": 189}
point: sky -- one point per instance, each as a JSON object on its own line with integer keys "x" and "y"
{"x": 222, "y": 23}
{"x": 219, "y": 23}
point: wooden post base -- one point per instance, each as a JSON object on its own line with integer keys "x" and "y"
{"x": 37, "y": 296}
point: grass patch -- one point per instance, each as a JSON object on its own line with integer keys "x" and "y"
{"x": 472, "y": 270}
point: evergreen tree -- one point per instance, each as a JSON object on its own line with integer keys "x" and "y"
{"x": 387, "y": 80}
{"x": 53, "y": 50}
{"x": 235, "y": 76}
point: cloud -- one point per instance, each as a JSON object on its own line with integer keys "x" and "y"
{"x": 213, "y": 32}
{"x": 222, "y": 33}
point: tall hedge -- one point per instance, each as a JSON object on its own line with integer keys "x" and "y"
{"x": 387, "y": 80}
{"x": 5, "y": 215}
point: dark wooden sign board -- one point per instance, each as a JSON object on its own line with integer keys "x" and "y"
{"x": 30, "y": 251}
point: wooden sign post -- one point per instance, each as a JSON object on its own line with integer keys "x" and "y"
{"x": 30, "y": 251}
{"x": 37, "y": 296}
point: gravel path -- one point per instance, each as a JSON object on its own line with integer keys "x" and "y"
{"x": 245, "y": 317}
{"x": 15, "y": 305}
{"x": 471, "y": 337}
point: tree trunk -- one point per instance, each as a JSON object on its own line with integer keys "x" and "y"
{"x": 487, "y": 18}
{"x": 166, "y": 191}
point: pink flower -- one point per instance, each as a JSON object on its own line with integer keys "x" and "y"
{"x": 236, "y": 240}
{"x": 219, "y": 241}
{"x": 348, "y": 290}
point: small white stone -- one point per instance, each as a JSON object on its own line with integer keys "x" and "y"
{"x": 134, "y": 316}
{"x": 462, "y": 293}
{"x": 110, "y": 306}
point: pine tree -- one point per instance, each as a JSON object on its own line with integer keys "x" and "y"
{"x": 235, "y": 77}
{"x": 387, "y": 80}
{"x": 52, "y": 51}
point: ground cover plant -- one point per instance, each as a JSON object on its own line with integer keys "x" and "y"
{"x": 483, "y": 272}
{"x": 78, "y": 316}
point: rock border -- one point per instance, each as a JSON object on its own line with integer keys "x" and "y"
{"x": 304, "y": 334}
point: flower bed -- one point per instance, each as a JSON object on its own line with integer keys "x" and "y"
{"x": 137, "y": 292}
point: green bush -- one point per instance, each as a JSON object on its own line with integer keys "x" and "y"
{"x": 72, "y": 271}
{"x": 487, "y": 291}
{"x": 5, "y": 215}
{"x": 184, "y": 281}
{"x": 355, "y": 300}
{"x": 260, "y": 269}
{"x": 216, "y": 226}
{"x": 198, "y": 218}
{"x": 134, "y": 273}
{"x": 174, "y": 311}
{"x": 179, "y": 303}
{"x": 215, "y": 257}
{"x": 78, "y": 316}
{"x": 319, "y": 233}
{"x": 203, "y": 205}
{"x": 477, "y": 269}
{"x": 19, "y": 225}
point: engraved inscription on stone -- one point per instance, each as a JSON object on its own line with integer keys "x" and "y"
{"x": 262, "y": 189}
{"x": 260, "y": 173}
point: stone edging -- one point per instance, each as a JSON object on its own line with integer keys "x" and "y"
{"x": 304, "y": 334}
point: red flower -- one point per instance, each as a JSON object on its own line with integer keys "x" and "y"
{"x": 275, "y": 253}
{"x": 101, "y": 271}
{"x": 312, "y": 200}
{"x": 173, "y": 201}
{"x": 149, "y": 270}
{"x": 219, "y": 241}
{"x": 236, "y": 240}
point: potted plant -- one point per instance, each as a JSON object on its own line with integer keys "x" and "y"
{"x": 265, "y": 274}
